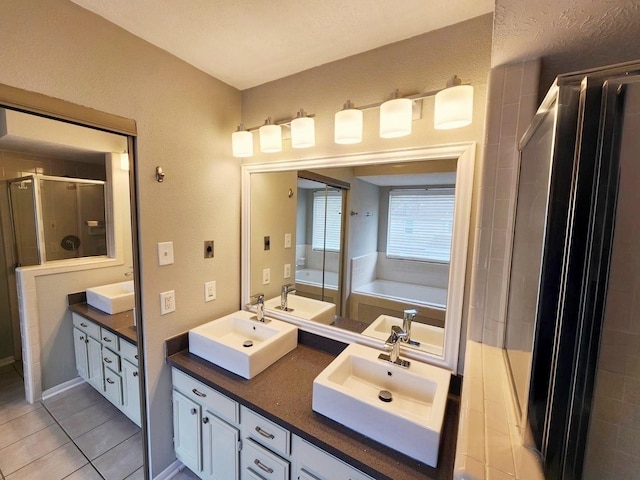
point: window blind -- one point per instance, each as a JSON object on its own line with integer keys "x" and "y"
{"x": 420, "y": 224}
{"x": 327, "y": 220}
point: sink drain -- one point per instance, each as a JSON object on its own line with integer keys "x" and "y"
{"x": 247, "y": 343}
{"x": 385, "y": 396}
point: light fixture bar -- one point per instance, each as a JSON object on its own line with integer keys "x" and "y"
{"x": 417, "y": 96}
{"x": 282, "y": 123}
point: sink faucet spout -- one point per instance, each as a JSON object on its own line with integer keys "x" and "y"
{"x": 409, "y": 316}
{"x": 286, "y": 290}
{"x": 258, "y": 301}
{"x": 393, "y": 346}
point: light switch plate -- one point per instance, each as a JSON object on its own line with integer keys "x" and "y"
{"x": 287, "y": 270}
{"x": 165, "y": 253}
{"x": 266, "y": 276}
{"x": 287, "y": 240}
{"x": 209, "y": 291}
{"x": 167, "y": 302}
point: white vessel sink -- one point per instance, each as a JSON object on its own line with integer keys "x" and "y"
{"x": 431, "y": 338}
{"x": 348, "y": 390}
{"x": 112, "y": 298}
{"x": 303, "y": 307}
{"x": 242, "y": 345}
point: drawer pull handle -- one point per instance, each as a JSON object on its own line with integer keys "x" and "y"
{"x": 205, "y": 420}
{"x": 107, "y": 360}
{"x": 262, "y": 466}
{"x": 135, "y": 374}
{"x": 193, "y": 411}
{"x": 264, "y": 433}
{"x": 110, "y": 381}
{"x": 82, "y": 324}
{"x": 200, "y": 394}
{"x": 106, "y": 339}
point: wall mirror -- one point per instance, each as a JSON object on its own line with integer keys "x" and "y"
{"x": 67, "y": 222}
{"x": 373, "y": 234}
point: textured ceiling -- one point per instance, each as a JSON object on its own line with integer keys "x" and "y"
{"x": 250, "y": 42}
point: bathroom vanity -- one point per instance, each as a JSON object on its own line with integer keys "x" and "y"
{"x": 226, "y": 426}
{"x": 106, "y": 354}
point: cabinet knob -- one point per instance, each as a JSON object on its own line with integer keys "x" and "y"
{"x": 205, "y": 420}
{"x": 81, "y": 337}
{"x": 135, "y": 374}
{"x": 194, "y": 411}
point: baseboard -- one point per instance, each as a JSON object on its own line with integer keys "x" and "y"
{"x": 171, "y": 471}
{"x": 6, "y": 361}
{"x": 58, "y": 389}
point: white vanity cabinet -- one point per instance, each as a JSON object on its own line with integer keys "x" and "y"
{"x": 109, "y": 363}
{"x": 218, "y": 439}
{"x": 206, "y": 433}
{"x": 313, "y": 463}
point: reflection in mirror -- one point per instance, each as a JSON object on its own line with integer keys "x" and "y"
{"x": 397, "y": 254}
{"x": 65, "y": 226}
{"x": 319, "y": 237}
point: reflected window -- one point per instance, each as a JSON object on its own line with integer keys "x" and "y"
{"x": 327, "y": 221}
{"x": 420, "y": 224}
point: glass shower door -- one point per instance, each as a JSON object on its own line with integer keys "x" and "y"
{"x": 24, "y": 219}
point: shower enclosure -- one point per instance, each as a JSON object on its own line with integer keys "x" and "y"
{"x": 57, "y": 218}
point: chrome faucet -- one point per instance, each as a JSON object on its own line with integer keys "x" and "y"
{"x": 409, "y": 316}
{"x": 258, "y": 301}
{"x": 393, "y": 346}
{"x": 286, "y": 290}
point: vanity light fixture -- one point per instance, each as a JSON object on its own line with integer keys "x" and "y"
{"x": 242, "y": 142}
{"x": 348, "y": 125}
{"x": 270, "y": 137}
{"x": 396, "y": 116}
{"x": 303, "y": 131}
{"x": 453, "y": 105}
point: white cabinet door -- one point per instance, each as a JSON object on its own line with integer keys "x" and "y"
{"x": 94, "y": 351}
{"x": 113, "y": 387}
{"x": 131, "y": 393}
{"x": 187, "y": 432}
{"x": 221, "y": 456}
{"x": 80, "y": 347}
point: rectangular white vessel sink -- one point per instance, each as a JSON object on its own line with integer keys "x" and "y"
{"x": 112, "y": 298}
{"x": 242, "y": 345}
{"x": 303, "y": 307}
{"x": 351, "y": 388}
{"x": 431, "y": 338}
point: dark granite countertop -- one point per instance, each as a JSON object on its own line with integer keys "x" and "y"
{"x": 290, "y": 406}
{"x": 120, "y": 323}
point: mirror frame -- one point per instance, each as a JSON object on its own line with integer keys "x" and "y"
{"x": 464, "y": 153}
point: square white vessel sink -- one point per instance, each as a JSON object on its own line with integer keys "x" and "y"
{"x": 431, "y": 338}
{"x": 303, "y": 307}
{"x": 349, "y": 391}
{"x": 112, "y": 298}
{"x": 242, "y": 345}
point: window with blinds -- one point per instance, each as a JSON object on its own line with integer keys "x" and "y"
{"x": 327, "y": 220}
{"x": 420, "y": 224}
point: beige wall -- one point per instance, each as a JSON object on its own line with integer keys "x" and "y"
{"x": 185, "y": 119}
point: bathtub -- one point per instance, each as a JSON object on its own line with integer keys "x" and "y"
{"x": 384, "y": 297}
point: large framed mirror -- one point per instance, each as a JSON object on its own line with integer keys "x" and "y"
{"x": 68, "y": 221}
{"x": 400, "y": 236}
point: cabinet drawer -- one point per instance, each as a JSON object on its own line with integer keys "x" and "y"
{"x": 113, "y": 386}
{"x": 265, "y": 432}
{"x": 129, "y": 351}
{"x": 216, "y": 402}
{"x": 313, "y": 463}
{"x": 86, "y": 326}
{"x": 111, "y": 360}
{"x": 109, "y": 339}
{"x": 257, "y": 459}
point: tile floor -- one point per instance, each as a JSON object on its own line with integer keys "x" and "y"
{"x": 77, "y": 435}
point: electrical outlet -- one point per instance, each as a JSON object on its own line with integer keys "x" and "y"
{"x": 209, "y": 291}
{"x": 165, "y": 253}
{"x": 266, "y": 276}
{"x": 167, "y": 302}
{"x": 287, "y": 270}
{"x": 287, "y": 240}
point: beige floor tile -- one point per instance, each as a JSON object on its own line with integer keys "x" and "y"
{"x": 23, "y": 426}
{"x": 56, "y": 465}
{"x": 86, "y": 420}
{"x": 137, "y": 475}
{"x": 72, "y": 401}
{"x": 106, "y": 436}
{"x": 122, "y": 460}
{"x": 31, "y": 448}
{"x": 88, "y": 472}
